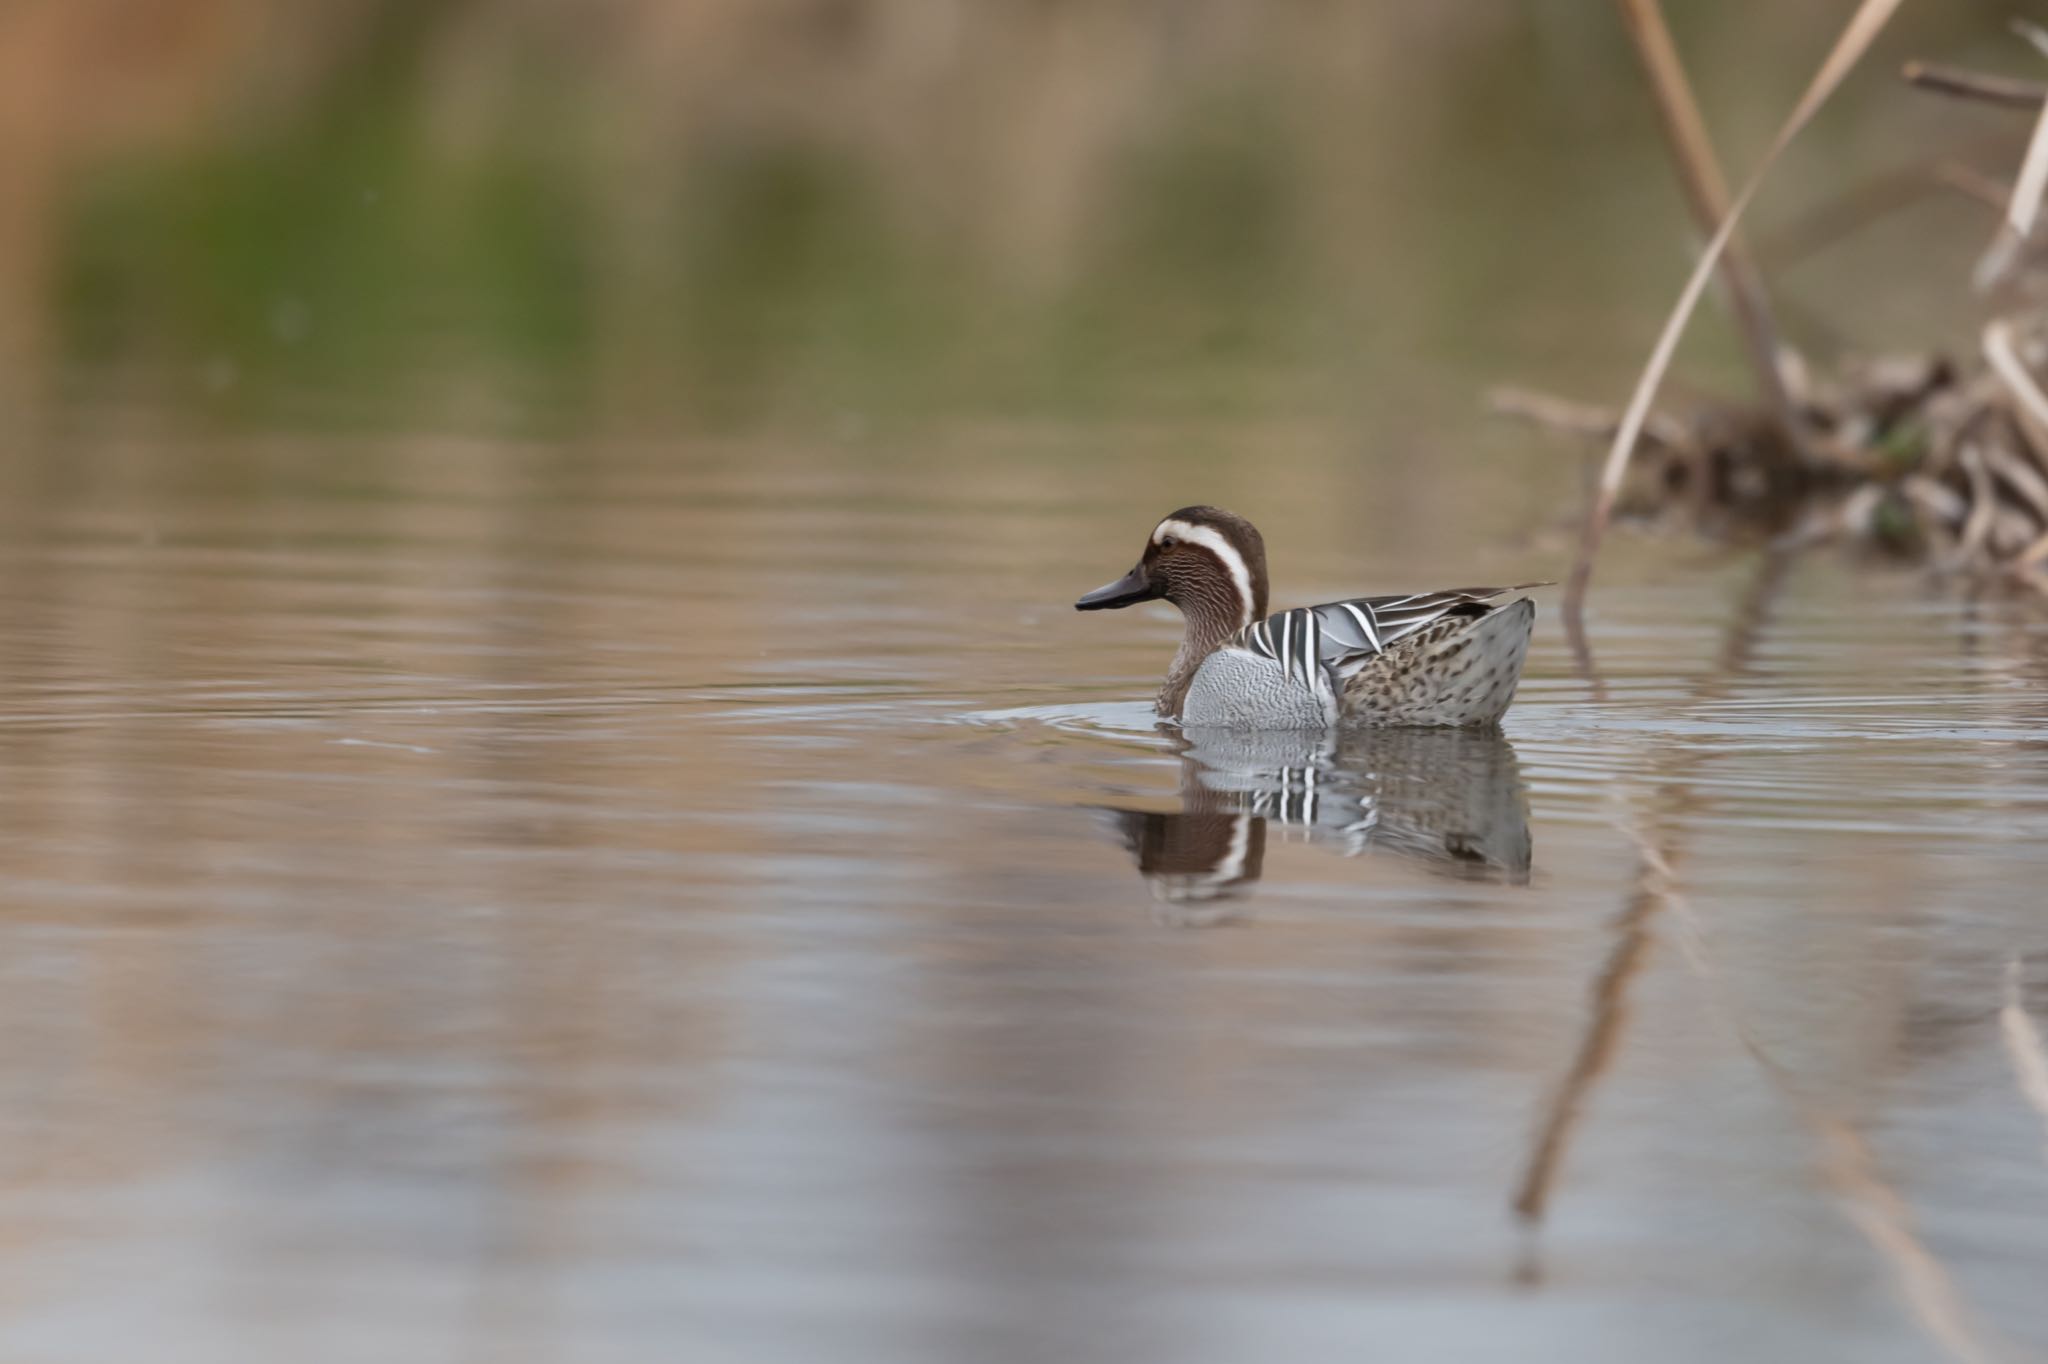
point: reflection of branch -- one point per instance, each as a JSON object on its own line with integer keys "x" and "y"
{"x": 1596, "y": 1050}
{"x": 1752, "y": 613}
{"x": 1575, "y": 637}
{"x": 1885, "y": 1220}
{"x": 1652, "y": 888}
{"x": 2023, "y": 1043}
{"x": 1846, "y": 1161}
{"x": 1871, "y": 1204}
{"x": 1852, "y": 1171}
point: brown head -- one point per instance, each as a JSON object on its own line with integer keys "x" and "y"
{"x": 1212, "y": 565}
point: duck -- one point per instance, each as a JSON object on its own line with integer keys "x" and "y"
{"x": 1451, "y": 657}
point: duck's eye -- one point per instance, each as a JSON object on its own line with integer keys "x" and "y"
{"x": 1167, "y": 542}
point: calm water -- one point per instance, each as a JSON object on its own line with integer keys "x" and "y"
{"x": 467, "y": 902}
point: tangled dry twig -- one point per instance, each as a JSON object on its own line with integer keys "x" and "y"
{"x": 1918, "y": 457}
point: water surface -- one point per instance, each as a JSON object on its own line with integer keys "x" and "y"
{"x": 467, "y": 902}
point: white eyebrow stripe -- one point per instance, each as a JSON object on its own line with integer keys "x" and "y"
{"x": 1213, "y": 540}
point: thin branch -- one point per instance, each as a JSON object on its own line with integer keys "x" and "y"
{"x": 1706, "y": 193}
{"x": 1972, "y": 183}
{"x": 1966, "y": 84}
{"x": 2012, "y": 371}
{"x": 2025, "y": 205}
{"x": 1873, "y": 197}
{"x": 1983, "y": 507}
{"x": 1578, "y": 419}
{"x": 2032, "y": 32}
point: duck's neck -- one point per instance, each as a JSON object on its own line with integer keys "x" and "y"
{"x": 1210, "y": 624}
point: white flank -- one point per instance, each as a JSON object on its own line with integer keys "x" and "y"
{"x": 1209, "y": 538}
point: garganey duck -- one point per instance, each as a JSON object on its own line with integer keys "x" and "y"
{"x": 1430, "y": 658}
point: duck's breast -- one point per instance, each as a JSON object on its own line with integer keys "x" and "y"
{"x": 1238, "y": 689}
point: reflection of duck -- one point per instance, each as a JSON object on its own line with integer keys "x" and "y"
{"x": 1451, "y": 798}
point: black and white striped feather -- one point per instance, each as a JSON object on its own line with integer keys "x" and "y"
{"x": 1316, "y": 643}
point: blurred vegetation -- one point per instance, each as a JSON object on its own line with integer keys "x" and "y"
{"x": 535, "y": 214}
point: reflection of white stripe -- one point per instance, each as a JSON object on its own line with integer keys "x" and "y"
{"x": 1232, "y": 868}
{"x": 1209, "y": 538}
{"x": 1217, "y": 881}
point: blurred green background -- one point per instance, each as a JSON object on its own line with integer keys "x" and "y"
{"x": 642, "y": 215}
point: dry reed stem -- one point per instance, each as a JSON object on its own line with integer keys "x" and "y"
{"x": 1954, "y": 80}
{"x": 2035, "y": 35}
{"x": 2020, "y": 211}
{"x": 1706, "y": 193}
{"x": 2022, "y": 478}
{"x": 2013, "y": 372}
{"x": 2023, "y": 1043}
{"x": 1977, "y": 526}
{"x": 1869, "y": 19}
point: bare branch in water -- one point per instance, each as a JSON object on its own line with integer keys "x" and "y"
{"x": 1706, "y": 193}
{"x": 1863, "y": 27}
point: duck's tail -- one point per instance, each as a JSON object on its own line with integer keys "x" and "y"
{"x": 1461, "y": 670}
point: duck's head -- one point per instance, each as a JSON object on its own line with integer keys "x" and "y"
{"x": 1209, "y": 562}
